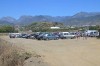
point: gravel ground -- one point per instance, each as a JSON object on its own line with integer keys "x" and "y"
{"x": 68, "y": 52}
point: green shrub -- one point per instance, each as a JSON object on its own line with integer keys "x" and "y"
{"x": 10, "y": 56}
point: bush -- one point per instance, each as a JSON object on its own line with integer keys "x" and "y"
{"x": 6, "y": 29}
{"x": 10, "y": 56}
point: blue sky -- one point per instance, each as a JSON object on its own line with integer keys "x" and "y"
{"x": 17, "y": 8}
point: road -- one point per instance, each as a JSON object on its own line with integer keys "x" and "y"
{"x": 68, "y": 52}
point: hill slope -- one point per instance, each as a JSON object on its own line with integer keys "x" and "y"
{"x": 82, "y": 18}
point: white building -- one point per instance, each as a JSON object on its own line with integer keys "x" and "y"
{"x": 54, "y": 27}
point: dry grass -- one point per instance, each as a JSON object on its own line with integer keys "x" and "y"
{"x": 10, "y": 56}
{"x": 4, "y": 34}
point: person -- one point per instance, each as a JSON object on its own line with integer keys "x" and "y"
{"x": 78, "y": 35}
{"x": 84, "y": 36}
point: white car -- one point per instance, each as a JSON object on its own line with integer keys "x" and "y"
{"x": 14, "y": 35}
{"x": 67, "y": 35}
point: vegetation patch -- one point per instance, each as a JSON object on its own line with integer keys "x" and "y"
{"x": 10, "y": 56}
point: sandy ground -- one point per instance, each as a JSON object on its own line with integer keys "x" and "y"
{"x": 68, "y": 52}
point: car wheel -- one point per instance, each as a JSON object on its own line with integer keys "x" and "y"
{"x": 57, "y": 38}
{"x": 47, "y": 38}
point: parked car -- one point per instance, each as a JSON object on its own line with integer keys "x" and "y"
{"x": 25, "y": 36}
{"x": 50, "y": 36}
{"x": 12, "y": 35}
{"x": 32, "y": 36}
{"x": 67, "y": 35}
{"x": 40, "y": 37}
{"x": 92, "y": 33}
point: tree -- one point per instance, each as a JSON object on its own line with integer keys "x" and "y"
{"x": 6, "y": 29}
{"x": 94, "y": 27}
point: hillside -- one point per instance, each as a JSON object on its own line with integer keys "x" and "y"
{"x": 91, "y": 20}
{"x": 81, "y": 18}
{"x": 84, "y": 18}
{"x": 43, "y": 26}
{"x": 7, "y": 21}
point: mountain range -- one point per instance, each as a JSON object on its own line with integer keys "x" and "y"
{"x": 81, "y": 18}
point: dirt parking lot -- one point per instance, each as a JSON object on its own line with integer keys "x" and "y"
{"x": 68, "y": 52}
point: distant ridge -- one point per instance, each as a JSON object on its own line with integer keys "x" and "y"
{"x": 81, "y": 18}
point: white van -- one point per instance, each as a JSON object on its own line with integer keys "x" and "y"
{"x": 66, "y": 35}
{"x": 92, "y": 33}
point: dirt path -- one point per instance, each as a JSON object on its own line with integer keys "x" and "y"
{"x": 69, "y": 52}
